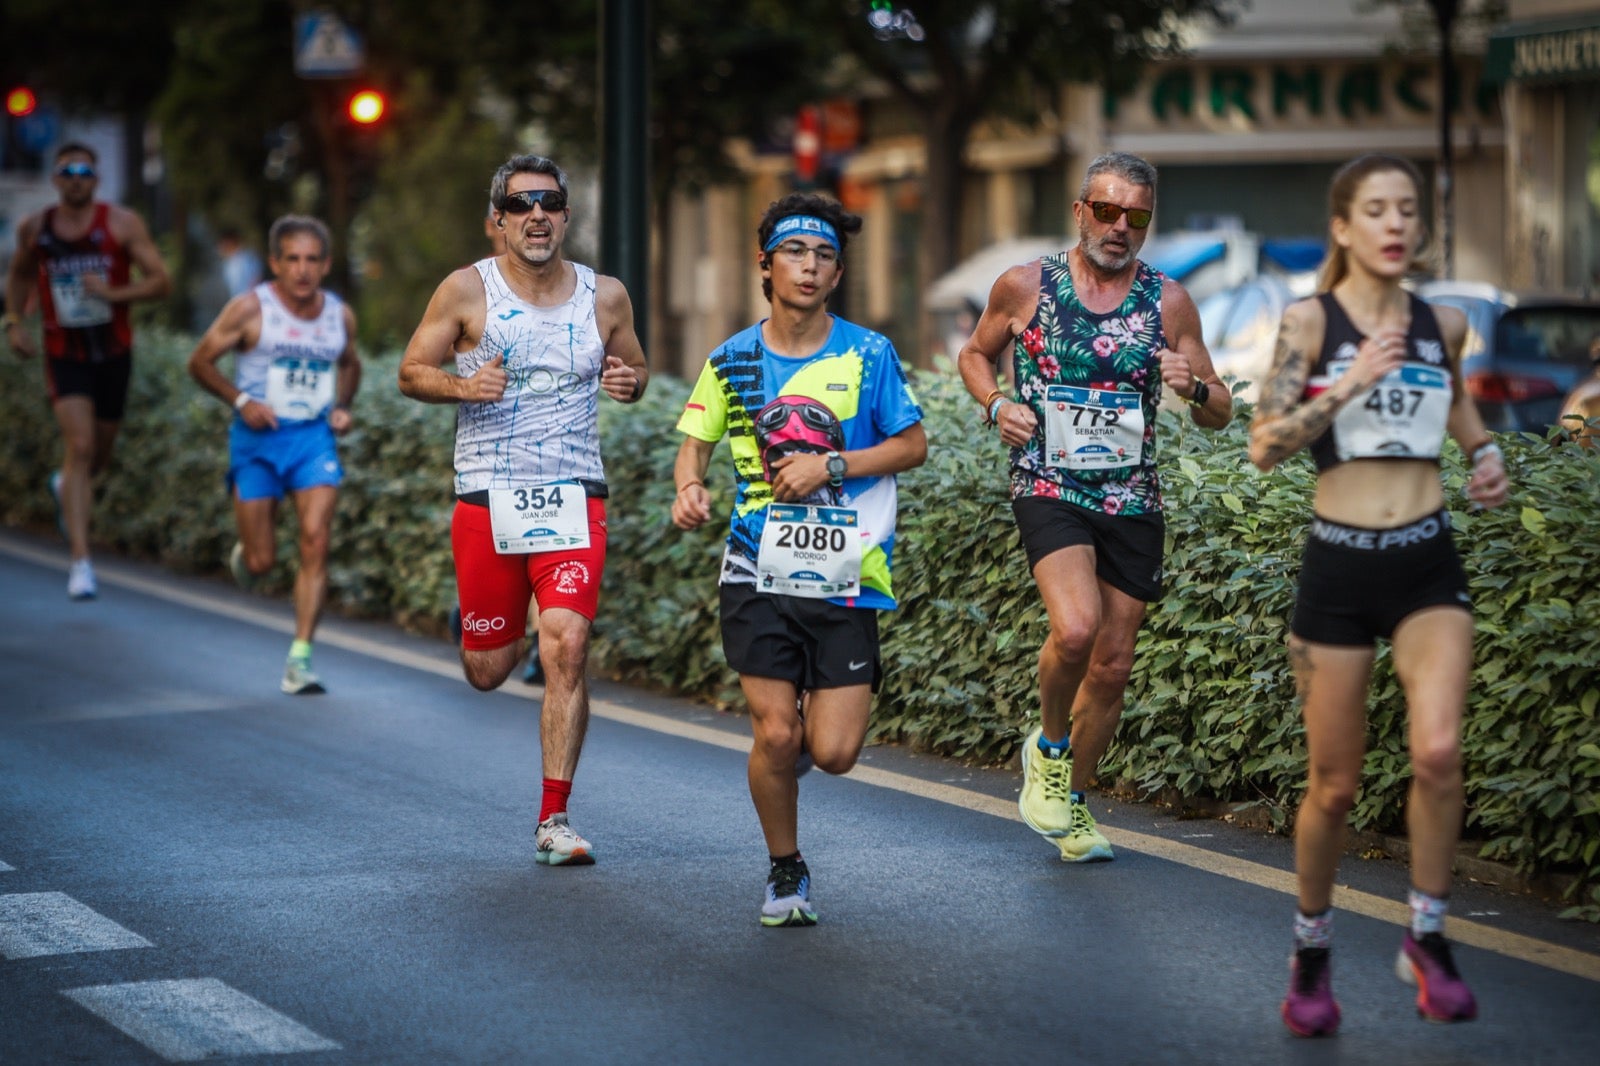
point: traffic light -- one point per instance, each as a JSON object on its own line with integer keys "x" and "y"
{"x": 366, "y": 107}
{"x": 26, "y": 129}
{"x": 21, "y": 102}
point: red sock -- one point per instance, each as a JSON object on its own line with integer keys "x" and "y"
{"x": 556, "y": 794}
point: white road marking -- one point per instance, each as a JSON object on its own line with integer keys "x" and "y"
{"x": 4, "y": 868}
{"x": 35, "y": 924}
{"x": 191, "y": 1020}
{"x": 1513, "y": 945}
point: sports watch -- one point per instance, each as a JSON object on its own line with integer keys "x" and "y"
{"x": 836, "y": 468}
{"x": 1202, "y": 393}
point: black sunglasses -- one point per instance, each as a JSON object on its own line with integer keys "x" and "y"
{"x": 520, "y": 203}
{"x": 75, "y": 170}
{"x": 1104, "y": 211}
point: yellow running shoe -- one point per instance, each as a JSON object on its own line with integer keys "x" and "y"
{"x": 1084, "y": 843}
{"x": 1046, "y": 799}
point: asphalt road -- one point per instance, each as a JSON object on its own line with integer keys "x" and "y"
{"x": 193, "y": 865}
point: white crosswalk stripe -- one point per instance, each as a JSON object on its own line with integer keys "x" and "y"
{"x": 35, "y": 924}
{"x": 191, "y": 1020}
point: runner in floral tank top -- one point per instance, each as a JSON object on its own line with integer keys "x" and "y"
{"x": 1066, "y": 344}
{"x": 1096, "y": 336}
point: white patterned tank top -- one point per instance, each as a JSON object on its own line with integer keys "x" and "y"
{"x": 546, "y": 426}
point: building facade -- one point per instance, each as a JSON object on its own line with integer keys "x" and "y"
{"x": 1247, "y": 128}
{"x": 1547, "y": 61}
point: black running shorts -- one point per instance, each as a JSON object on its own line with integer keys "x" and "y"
{"x": 104, "y": 382}
{"x": 1127, "y": 548}
{"x": 1359, "y": 584}
{"x": 812, "y": 644}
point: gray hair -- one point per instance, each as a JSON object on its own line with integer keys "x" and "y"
{"x": 524, "y": 164}
{"x": 1124, "y": 165}
{"x": 293, "y": 226}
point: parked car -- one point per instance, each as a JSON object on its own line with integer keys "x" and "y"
{"x": 1240, "y": 327}
{"x": 1523, "y": 353}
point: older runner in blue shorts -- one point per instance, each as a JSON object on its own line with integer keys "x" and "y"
{"x": 295, "y": 376}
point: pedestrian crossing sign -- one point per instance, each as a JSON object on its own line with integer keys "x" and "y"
{"x": 324, "y": 47}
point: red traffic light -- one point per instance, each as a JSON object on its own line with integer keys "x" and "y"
{"x": 366, "y": 107}
{"x": 20, "y": 102}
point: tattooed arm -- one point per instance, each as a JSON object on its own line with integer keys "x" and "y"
{"x": 1282, "y": 424}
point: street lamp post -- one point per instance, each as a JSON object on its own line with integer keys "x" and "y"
{"x": 624, "y": 156}
{"x": 1444, "y": 12}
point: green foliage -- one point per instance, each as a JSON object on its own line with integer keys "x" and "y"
{"x": 1211, "y": 709}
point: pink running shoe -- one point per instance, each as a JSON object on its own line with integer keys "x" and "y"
{"x": 1442, "y": 996}
{"x": 1309, "y": 1008}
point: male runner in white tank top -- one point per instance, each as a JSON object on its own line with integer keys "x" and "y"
{"x": 294, "y": 380}
{"x": 535, "y": 340}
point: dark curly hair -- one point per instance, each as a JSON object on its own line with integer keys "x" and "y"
{"x": 805, "y": 203}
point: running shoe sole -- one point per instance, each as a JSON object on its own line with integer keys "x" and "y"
{"x": 1309, "y": 1031}
{"x": 551, "y": 858}
{"x": 797, "y": 916}
{"x": 1413, "y": 975}
{"x": 1098, "y": 853}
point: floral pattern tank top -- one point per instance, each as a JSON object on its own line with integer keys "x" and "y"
{"x": 1083, "y": 373}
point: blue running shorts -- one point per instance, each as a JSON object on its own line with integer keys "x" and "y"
{"x": 270, "y": 463}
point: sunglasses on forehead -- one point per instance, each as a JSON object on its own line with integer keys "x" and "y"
{"x": 75, "y": 170}
{"x": 1107, "y": 212}
{"x": 520, "y": 203}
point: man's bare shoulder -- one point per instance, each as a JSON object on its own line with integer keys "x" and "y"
{"x": 1018, "y": 286}
{"x": 125, "y": 222}
{"x": 609, "y": 292}
{"x": 463, "y": 283}
{"x": 28, "y": 229}
{"x": 1175, "y": 299}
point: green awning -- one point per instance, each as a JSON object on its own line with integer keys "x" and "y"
{"x": 1550, "y": 50}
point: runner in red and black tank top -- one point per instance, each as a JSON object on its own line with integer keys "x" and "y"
{"x": 61, "y": 264}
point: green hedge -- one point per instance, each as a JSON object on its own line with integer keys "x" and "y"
{"x": 1211, "y": 711}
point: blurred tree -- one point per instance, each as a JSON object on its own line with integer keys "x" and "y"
{"x": 425, "y": 215}
{"x": 956, "y": 62}
{"x": 720, "y": 70}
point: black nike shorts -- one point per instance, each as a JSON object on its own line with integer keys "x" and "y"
{"x": 812, "y": 644}
{"x": 1359, "y": 584}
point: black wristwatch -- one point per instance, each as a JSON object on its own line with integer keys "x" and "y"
{"x": 1202, "y": 393}
{"x": 836, "y": 468}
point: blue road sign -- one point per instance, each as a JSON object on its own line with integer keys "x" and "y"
{"x": 324, "y": 47}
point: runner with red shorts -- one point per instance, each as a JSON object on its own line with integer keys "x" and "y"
{"x": 535, "y": 339}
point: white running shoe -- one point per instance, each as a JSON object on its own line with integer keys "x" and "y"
{"x": 787, "y": 900}
{"x": 558, "y": 844}
{"x": 299, "y": 679}
{"x": 80, "y": 580}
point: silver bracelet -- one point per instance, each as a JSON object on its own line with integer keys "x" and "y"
{"x": 1488, "y": 448}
